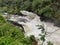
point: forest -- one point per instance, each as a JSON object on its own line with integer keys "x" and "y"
{"x": 44, "y": 8}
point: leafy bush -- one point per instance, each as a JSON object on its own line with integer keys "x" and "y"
{"x": 2, "y": 19}
{"x": 11, "y": 35}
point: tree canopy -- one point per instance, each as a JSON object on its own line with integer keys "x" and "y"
{"x": 46, "y": 8}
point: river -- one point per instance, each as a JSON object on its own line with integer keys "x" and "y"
{"x": 29, "y": 22}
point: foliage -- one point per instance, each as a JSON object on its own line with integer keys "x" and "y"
{"x": 33, "y": 40}
{"x": 27, "y": 41}
{"x": 47, "y": 8}
{"x": 57, "y": 15}
{"x": 11, "y": 35}
{"x": 49, "y": 43}
{"x": 2, "y": 19}
{"x": 43, "y": 35}
{"x": 32, "y": 37}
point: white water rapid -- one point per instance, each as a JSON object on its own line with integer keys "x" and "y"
{"x": 29, "y": 23}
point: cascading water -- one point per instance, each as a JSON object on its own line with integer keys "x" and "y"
{"x": 29, "y": 23}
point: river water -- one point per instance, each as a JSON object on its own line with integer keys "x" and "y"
{"x": 29, "y": 22}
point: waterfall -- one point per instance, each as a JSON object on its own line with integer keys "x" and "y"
{"x": 29, "y": 22}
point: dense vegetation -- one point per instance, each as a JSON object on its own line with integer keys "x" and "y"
{"x": 11, "y": 35}
{"x": 44, "y": 8}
